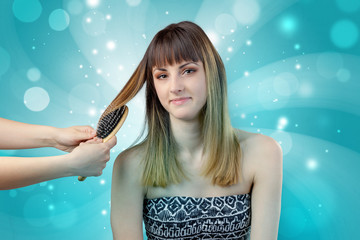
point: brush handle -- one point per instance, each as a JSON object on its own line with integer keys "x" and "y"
{"x": 116, "y": 129}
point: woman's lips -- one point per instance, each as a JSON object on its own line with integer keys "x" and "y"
{"x": 179, "y": 101}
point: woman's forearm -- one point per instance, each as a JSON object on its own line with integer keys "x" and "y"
{"x": 18, "y": 172}
{"x": 88, "y": 159}
{"x": 17, "y": 135}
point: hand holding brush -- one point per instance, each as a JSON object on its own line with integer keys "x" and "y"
{"x": 109, "y": 124}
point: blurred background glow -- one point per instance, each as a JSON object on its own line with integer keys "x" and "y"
{"x": 293, "y": 74}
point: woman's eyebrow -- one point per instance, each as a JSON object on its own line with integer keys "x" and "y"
{"x": 188, "y": 64}
{"x": 164, "y": 69}
{"x": 159, "y": 69}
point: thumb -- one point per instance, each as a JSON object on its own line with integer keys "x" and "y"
{"x": 111, "y": 142}
{"x": 86, "y": 132}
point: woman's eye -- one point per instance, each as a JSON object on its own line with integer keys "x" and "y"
{"x": 161, "y": 76}
{"x": 188, "y": 71}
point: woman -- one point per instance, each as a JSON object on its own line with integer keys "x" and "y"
{"x": 194, "y": 176}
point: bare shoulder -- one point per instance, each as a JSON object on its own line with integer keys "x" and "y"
{"x": 259, "y": 148}
{"x": 133, "y": 154}
{"x": 128, "y": 162}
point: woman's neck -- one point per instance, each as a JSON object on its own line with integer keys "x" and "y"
{"x": 187, "y": 135}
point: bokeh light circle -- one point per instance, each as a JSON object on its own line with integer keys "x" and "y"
{"x": 5, "y": 61}
{"x": 225, "y": 24}
{"x": 33, "y": 74}
{"x": 63, "y": 215}
{"x": 344, "y": 34}
{"x": 75, "y": 7}
{"x": 247, "y": 12}
{"x": 36, "y": 211}
{"x": 93, "y": 3}
{"x": 59, "y": 20}
{"x": 312, "y": 164}
{"x": 268, "y": 97}
{"x": 306, "y": 89}
{"x": 282, "y": 123}
{"x": 328, "y": 64}
{"x": 36, "y": 99}
{"x": 12, "y": 193}
{"x": 288, "y": 25}
{"x": 286, "y": 84}
{"x": 133, "y": 3}
{"x": 343, "y": 75}
{"x": 349, "y": 6}
{"x": 27, "y": 10}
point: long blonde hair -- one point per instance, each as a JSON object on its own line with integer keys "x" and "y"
{"x": 185, "y": 41}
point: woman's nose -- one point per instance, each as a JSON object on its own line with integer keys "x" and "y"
{"x": 176, "y": 85}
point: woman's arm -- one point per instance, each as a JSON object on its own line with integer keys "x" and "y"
{"x": 88, "y": 159}
{"x": 266, "y": 191}
{"x": 18, "y": 135}
{"x": 127, "y": 197}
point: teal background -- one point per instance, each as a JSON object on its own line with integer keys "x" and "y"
{"x": 293, "y": 74}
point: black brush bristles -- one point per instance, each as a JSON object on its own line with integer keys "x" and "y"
{"x": 108, "y": 122}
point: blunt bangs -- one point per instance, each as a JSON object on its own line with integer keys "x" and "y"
{"x": 173, "y": 45}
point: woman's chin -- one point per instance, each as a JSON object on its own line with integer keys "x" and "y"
{"x": 184, "y": 117}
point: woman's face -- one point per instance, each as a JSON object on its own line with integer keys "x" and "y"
{"x": 181, "y": 89}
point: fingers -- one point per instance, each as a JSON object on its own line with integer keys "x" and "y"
{"x": 111, "y": 143}
{"x": 85, "y": 132}
{"x": 89, "y": 130}
{"x": 92, "y": 156}
{"x": 94, "y": 140}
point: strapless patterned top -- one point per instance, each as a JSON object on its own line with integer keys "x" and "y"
{"x": 226, "y": 217}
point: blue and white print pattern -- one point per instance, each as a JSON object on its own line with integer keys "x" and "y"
{"x": 226, "y": 217}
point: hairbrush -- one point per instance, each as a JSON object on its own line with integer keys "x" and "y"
{"x": 109, "y": 124}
